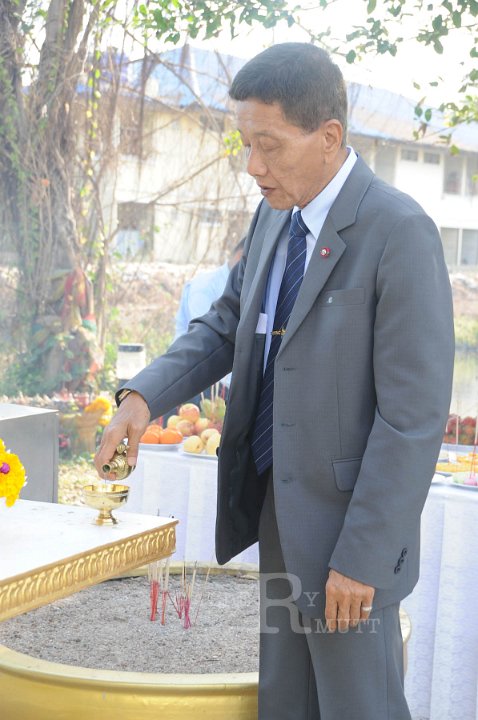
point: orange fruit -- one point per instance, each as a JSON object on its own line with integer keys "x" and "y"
{"x": 151, "y": 436}
{"x": 170, "y": 436}
{"x": 155, "y": 428}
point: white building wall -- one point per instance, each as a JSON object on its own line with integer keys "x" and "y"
{"x": 196, "y": 190}
{"x": 456, "y": 215}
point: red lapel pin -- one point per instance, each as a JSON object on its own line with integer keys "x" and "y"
{"x": 325, "y": 252}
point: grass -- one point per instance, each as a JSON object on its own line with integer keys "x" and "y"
{"x": 73, "y": 475}
{"x": 466, "y": 332}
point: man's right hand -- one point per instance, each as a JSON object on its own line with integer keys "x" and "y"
{"x": 130, "y": 421}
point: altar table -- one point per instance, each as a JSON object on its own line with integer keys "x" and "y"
{"x": 49, "y": 551}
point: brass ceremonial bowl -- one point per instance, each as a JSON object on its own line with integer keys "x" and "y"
{"x": 105, "y": 497}
{"x": 34, "y": 689}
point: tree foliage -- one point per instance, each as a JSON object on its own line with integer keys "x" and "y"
{"x": 434, "y": 21}
{"x": 49, "y": 172}
{"x": 170, "y": 20}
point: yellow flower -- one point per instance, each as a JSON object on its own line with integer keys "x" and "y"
{"x": 12, "y": 476}
{"x": 99, "y": 403}
{"x": 104, "y": 405}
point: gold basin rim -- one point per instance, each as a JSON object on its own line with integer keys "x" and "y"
{"x": 20, "y": 664}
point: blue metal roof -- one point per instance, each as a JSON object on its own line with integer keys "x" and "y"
{"x": 188, "y": 76}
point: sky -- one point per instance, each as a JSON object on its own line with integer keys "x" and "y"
{"x": 413, "y": 63}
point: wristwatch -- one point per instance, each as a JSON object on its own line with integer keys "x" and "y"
{"x": 124, "y": 393}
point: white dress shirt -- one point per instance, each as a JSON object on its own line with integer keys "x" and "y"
{"x": 314, "y": 215}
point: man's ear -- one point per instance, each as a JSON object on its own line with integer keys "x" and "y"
{"x": 332, "y": 137}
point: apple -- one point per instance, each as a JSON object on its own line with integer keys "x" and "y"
{"x": 201, "y": 425}
{"x": 173, "y": 421}
{"x": 189, "y": 412}
{"x": 212, "y": 444}
{"x": 206, "y": 434}
{"x": 193, "y": 444}
{"x": 185, "y": 427}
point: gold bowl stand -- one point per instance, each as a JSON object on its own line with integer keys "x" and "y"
{"x": 105, "y": 497}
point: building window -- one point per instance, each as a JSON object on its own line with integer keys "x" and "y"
{"x": 449, "y": 237}
{"x": 431, "y": 158}
{"x": 409, "y": 154}
{"x": 453, "y": 174}
{"x": 472, "y": 175}
{"x": 469, "y": 248}
{"x": 135, "y": 229}
{"x": 385, "y": 161}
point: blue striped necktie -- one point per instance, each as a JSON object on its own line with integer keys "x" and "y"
{"x": 261, "y": 437}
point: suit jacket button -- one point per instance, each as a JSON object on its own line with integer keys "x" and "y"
{"x": 404, "y": 552}
{"x": 397, "y": 569}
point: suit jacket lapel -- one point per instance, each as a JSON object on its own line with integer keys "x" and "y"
{"x": 341, "y": 215}
{"x": 252, "y": 307}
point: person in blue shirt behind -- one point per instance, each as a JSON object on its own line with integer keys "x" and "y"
{"x": 200, "y": 292}
{"x": 197, "y": 297}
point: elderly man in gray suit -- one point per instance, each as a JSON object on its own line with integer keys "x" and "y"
{"x": 337, "y": 324}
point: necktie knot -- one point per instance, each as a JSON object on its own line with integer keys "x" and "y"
{"x": 298, "y": 228}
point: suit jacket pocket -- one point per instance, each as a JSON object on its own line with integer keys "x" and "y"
{"x": 350, "y": 296}
{"x": 346, "y": 473}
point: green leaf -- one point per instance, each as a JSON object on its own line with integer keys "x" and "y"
{"x": 456, "y": 18}
{"x": 371, "y": 5}
{"x": 428, "y": 115}
{"x": 437, "y": 23}
{"x": 350, "y": 57}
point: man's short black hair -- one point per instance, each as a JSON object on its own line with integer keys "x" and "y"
{"x": 300, "y": 77}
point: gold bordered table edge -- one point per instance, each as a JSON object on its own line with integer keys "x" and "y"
{"x": 57, "y": 580}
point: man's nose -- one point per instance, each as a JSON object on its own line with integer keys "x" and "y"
{"x": 255, "y": 165}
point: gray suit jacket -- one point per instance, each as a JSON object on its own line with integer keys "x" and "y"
{"x": 361, "y": 396}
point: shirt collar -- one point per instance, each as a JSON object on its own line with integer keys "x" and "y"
{"x": 315, "y": 212}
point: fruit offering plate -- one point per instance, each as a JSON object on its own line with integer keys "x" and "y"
{"x": 465, "y": 480}
{"x": 199, "y": 456}
{"x": 457, "y": 463}
{"x": 160, "y": 447}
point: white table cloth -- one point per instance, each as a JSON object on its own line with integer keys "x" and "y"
{"x": 169, "y": 483}
{"x": 442, "y": 676}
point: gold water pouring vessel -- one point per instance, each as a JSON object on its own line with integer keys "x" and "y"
{"x": 105, "y": 496}
{"x": 118, "y": 465}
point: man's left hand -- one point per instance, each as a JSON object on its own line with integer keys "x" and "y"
{"x": 346, "y": 600}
